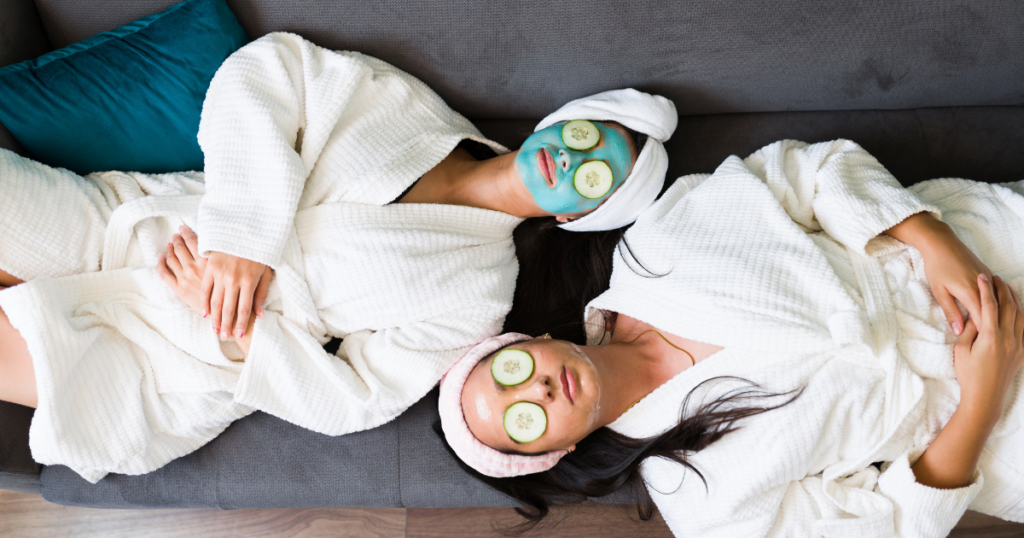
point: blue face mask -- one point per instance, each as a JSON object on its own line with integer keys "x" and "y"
{"x": 562, "y": 198}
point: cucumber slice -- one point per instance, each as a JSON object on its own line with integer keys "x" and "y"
{"x": 580, "y": 135}
{"x": 593, "y": 179}
{"x": 512, "y": 367}
{"x": 525, "y": 421}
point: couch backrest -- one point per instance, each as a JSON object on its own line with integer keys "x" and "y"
{"x": 21, "y": 33}
{"x": 21, "y": 38}
{"x": 514, "y": 59}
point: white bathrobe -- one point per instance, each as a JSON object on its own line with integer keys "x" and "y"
{"x": 778, "y": 259}
{"x": 304, "y": 150}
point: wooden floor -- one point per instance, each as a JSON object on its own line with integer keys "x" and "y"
{"x": 29, "y": 516}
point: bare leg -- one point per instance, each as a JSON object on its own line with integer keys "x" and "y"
{"x": 17, "y": 377}
{"x": 8, "y": 280}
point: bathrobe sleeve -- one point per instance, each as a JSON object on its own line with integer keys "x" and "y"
{"x": 836, "y": 187}
{"x": 923, "y": 508}
{"x": 269, "y": 112}
{"x": 375, "y": 376}
{"x": 409, "y": 287}
{"x": 866, "y": 504}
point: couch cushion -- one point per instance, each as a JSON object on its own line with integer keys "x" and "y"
{"x": 258, "y": 462}
{"x": 430, "y": 477}
{"x": 18, "y": 472}
{"x": 128, "y": 99}
{"x": 516, "y": 60}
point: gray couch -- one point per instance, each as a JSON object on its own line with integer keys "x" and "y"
{"x": 932, "y": 88}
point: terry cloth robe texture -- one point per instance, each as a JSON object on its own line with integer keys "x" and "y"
{"x": 778, "y": 259}
{"x": 304, "y": 149}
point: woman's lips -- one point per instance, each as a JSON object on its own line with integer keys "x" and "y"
{"x": 569, "y": 385}
{"x": 547, "y": 166}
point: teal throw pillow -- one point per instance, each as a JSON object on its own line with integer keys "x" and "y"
{"x": 128, "y": 99}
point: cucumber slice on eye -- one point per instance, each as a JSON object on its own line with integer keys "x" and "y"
{"x": 580, "y": 135}
{"x": 593, "y": 179}
{"x": 525, "y": 421}
{"x": 512, "y": 367}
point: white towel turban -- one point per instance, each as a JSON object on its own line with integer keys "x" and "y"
{"x": 652, "y": 115}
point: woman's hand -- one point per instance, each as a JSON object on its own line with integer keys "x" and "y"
{"x": 952, "y": 269}
{"x": 188, "y": 274}
{"x": 231, "y": 286}
{"x": 987, "y": 356}
{"x": 990, "y": 351}
{"x": 182, "y": 269}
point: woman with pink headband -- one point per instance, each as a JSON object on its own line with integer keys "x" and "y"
{"x": 781, "y": 351}
{"x": 341, "y": 199}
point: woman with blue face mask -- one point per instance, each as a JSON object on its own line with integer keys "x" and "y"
{"x": 346, "y": 204}
{"x": 547, "y": 175}
{"x": 550, "y": 168}
{"x": 537, "y": 180}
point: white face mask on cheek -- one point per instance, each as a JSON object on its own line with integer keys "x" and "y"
{"x": 482, "y": 409}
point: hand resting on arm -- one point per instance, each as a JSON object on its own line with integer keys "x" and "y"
{"x": 231, "y": 287}
{"x": 952, "y": 269}
{"x": 987, "y": 356}
{"x": 186, "y": 272}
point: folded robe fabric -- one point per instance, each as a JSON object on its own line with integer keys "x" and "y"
{"x": 299, "y": 172}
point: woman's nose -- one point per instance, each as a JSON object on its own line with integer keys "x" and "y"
{"x": 563, "y": 159}
{"x": 542, "y": 389}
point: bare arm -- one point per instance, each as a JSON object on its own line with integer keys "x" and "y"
{"x": 7, "y": 280}
{"x": 987, "y": 356}
{"x": 950, "y": 460}
{"x": 951, "y": 267}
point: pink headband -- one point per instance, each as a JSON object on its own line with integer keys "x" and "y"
{"x": 476, "y": 454}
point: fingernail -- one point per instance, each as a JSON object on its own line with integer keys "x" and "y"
{"x": 216, "y": 329}
{"x": 957, "y": 328}
{"x": 205, "y": 313}
{"x": 984, "y": 277}
{"x": 240, "y": 333}
{"x": 224, "y": 337}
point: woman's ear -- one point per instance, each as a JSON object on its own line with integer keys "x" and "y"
{"x": 563, "y": 219}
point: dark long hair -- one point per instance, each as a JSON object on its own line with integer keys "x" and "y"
{"x": 560, "y": 273}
